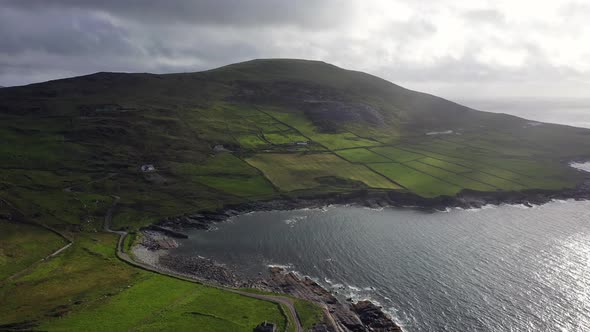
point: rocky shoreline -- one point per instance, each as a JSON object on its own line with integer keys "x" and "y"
{"x": 339, "y": 315}
{"x": 466, "y": 199}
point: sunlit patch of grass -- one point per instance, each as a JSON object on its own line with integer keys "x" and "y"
{"x": 418, "y": 182}
{"x": 303, "y": 171}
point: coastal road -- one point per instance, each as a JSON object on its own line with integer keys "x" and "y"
{"x": 121, "y": 254}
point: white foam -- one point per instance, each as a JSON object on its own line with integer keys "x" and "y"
{"x": 563, "y": 200}
{"x": 446, "y": 132}
{"x": 373, "y": 209}
{"x": 521, "y": 206}
{"x": 348, "y": 291}
{"x": 281, "y": 266}
{"x": 581, "y": 166}
{"x": 292, "y": 221}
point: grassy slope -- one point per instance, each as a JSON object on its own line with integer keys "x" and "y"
{"x": 21, "y": 245}
{"x": 77, "y": 130}
{"x": 170, "y": 304}
{"x": 292, "y": 128}
{"x": 88, "y": 288}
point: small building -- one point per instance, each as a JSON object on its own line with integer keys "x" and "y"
{"x": 301, "y": 143}
{"x": 266, "y": 327}
{"x": 147, "y": 168}
{"x": 219, "y": 148}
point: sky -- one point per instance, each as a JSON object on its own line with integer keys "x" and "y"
{"x": 452, "y": 48}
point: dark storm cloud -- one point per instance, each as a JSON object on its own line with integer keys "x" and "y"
{"x": 60, "y": 32}
{"x": 81, "y": 37}
{"x": 307, "y": 14}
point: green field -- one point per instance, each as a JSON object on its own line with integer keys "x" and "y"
{"x": 307, "y": 171}
{"x": 331, "y": 141}
{"x": 456, "y": 179}
{"x": 84, "y": 273}
{"x": 21, "y": 245}
{"x": 418, "y": 182}
{"x": 309, "y": 313}
{"x": 228, "y": 174}
{"x": 397, "y": 155}
{"x": 285, "y": 138}
{"x": 449, "y": 166}
{"x": 252, "y": 141}
{"x": 362, "y": 156}
{"x": 88, "y": 288}
{"x": 156, "y": 303}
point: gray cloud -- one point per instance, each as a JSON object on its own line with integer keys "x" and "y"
{"x": 60, "y": 33}
{"x": 309, "y": 13}
{"x": 447, "y": 47}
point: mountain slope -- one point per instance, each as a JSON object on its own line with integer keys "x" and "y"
{"x": 256, "y": 131}
{"x": 167, "y": 145}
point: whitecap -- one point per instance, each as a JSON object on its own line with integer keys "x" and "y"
{"x": 581, "y": 166}
{"x": 281, "y": 266}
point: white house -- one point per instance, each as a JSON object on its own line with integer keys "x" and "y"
{"x": 148, "y": 168}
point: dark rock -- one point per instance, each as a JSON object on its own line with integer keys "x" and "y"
{"x": 373, "y": 317}
{"x": 320, "y": 328}
{"x": 202, "y": 268}
{"x": 167, "y": 232}
{"x": 341, "y": 314}
{"x": 376, "y": 199}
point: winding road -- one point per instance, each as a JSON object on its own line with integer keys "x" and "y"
{"x": 293, "y": 318}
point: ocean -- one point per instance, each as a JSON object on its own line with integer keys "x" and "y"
{"x": 500, "y": 268}
{"x": 506, "y": 268}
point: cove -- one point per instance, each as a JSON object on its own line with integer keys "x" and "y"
{"x": 491, "y": 269}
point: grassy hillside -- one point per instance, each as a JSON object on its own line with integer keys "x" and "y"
{"x": 246, "y": 132}
{"x": 87, "y": 289}
{"x": 278, "y": 121}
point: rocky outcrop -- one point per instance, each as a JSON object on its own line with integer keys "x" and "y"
{"x": 154, "y": 249}
{"x": 199, "y": 267}
{"x": 153, "y": 240}
{"x": 373, "y": 318}
{"x": 167, "y": 231}
{"x": 196, "y": 221}
{"x": 339, "y": 316}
